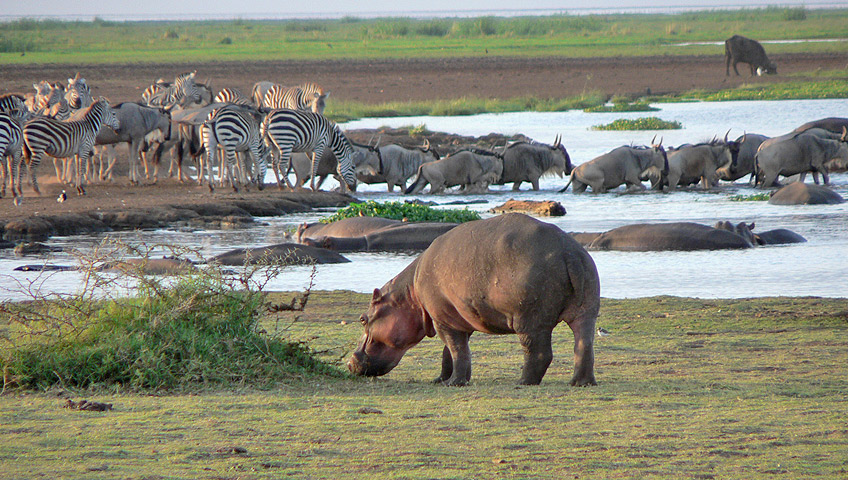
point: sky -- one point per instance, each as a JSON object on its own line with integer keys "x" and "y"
{"x": 110, "y": 9}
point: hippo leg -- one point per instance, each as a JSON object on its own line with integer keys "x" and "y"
{"x": 456, "y": 345}
{"x": 538, "y": 355}
{"x": 447, "y": 366}
{"x": 584, "y": 352}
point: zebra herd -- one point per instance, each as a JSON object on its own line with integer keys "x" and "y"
{"x": 66, "y": 123}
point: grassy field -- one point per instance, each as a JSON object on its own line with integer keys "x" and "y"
{"x": 688, "y": 388}
{"x": 100, "y": 41}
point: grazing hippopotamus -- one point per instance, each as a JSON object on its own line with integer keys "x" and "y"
{"x": 289, "y": 253}
{"x": 647, "y": 237}
{"x": 399, "y": 237}
{"x": 799, "y": 193}
{"x": 507, "y": 274}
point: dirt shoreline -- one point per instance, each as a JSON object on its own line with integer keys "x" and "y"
{"x": 368, "y": 81}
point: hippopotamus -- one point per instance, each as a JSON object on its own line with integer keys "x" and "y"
{"x": 503, "y": 275}
{"x": 645, "y": 237}
{"x": 799, "y": 193}
{"x": 778, "y": 236}
{"x": 289, "y": 253}
{"x": 399, "y": 237}
{"x": 346, "y": 227}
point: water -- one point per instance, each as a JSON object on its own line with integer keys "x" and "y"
{"x": 813, "y": 268}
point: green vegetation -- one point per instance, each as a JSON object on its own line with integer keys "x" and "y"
{"x": 756, "y": 197}
{"x": 197, "y": 330}
{"x": 99, "y": 41}
{"x": 413, "y": 212}
{"x": 775, "y": 91}
{"x": 645, "y": 123}
{"x": 622, "y": 104}
{"x": 688, "y": 388}
{"x": 342, "y": 110}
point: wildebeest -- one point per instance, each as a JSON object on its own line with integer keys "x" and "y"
{"x": 831, "y": 124}
{"x": 743, "y": 164}
{"x": 528, "y": 161}
{"x": 739, "y": 49}
{"x": 622, "y": 165}
{"x": 137, "y": 121}
{"x": 394, "y": 164}
{"x": 328, "y": 164}
{"x": 691, "y": 163}
{"x": 798, "y": 153}
{"x": 474, "y": 170}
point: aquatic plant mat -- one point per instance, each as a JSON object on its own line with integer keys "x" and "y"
{"x": 688, "y": 388}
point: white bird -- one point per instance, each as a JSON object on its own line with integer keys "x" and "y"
{"x": 603, "y": 332}
{"x": 62, "y": 197}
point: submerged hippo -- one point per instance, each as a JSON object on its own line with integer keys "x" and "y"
{"x": 507, "y": 274}
{"x": 800, "y": 193}
{"x": 645, "y": 237}
{"x": 398, "y": 237}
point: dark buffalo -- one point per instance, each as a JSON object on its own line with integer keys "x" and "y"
{"x": 738, "y": 49}
{"x": 502, "y": 275}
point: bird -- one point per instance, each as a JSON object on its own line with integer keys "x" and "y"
{"x": 62, "y": 197}
{"x": 602, "y": 332}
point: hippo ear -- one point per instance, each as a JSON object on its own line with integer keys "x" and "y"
{"x": 751, "y": 226}
{"x": 377, "y": 296}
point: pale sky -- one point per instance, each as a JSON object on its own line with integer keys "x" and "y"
{"x": 246, "y": 8}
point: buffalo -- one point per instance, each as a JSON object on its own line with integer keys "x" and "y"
{"x": 739, "y": 49}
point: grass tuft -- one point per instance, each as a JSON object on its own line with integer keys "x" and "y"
{"x": 412, "y": 212}
{"x": 645, "y": 123}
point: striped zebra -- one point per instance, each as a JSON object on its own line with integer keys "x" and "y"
{"x": 235, "y": 129}
{"x": 12, "y": 102}
{"x": 63, "y": 139}
{"x": 298, "y": 131}
{"x": 183, "y": 91}
{"x": 78, "y": 94}
{"x": 257, "y": 93}
{"x": 294, "y": 98}
{"x": 10, "y": 150}
{"x": 232, "y": 95}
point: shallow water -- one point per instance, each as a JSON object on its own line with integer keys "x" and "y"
{"x": 813, "y": 268}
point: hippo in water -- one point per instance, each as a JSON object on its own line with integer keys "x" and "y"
{"x": 507, "y": 274}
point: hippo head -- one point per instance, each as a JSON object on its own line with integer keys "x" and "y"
{"x": 392, "y": 326}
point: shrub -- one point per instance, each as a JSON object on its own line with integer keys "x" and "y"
{"x": 226, "y": 41}
{"x": 199, "y": 328}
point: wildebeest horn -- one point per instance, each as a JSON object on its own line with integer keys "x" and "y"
{"x": 844, "y": 133}
{"x": 558, "y": 140}
{"x": 426, "y": 146}
{"x": 725, "y": 135}
{"x": 652, "y": 140}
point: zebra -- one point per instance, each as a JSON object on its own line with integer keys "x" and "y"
{"x": 294, "y": 98}
{"x": 231, "y": 95}
{"x": 62, "y": 139}
{"x": 182, "y": 91}
{"x": 12, "y": 102}
{"x": 257, "y": 94}
{"x": 10, "y": 146}
{"x": 78, "y": 93}
{"x": 235, "y": 129}
{"x": 298, "y": 131}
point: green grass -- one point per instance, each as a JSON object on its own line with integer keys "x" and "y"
{"x": 412, "y": 212}
{"x": 98, "y": 41}
{"x": 688, "y": 388}
{"x": 645, "y": 123}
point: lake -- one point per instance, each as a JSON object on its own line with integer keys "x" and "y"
{"x": 812, "y": 268}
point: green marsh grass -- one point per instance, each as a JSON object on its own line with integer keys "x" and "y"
{"x": 400, "y": 210}
{"x": 688, "y": 388}
{"x": 99, "y": 41}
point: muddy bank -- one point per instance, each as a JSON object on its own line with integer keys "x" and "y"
{"x": 222, "y": 213}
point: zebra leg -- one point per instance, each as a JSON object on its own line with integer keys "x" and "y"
{"x": 231, "y": 163}
{"x": 258, "y": 164}
{"x": 316, "y": 157}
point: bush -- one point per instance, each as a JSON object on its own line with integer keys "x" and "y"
{"x": 226, "y": 41}
{"x": 199, "y": 328}
{"x": 795, "y": 14}
{"x": 412, "y": 212}
{"x": 646, "y": 123}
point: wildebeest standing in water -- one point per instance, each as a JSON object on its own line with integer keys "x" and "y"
{"x": 739, "y": 49}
